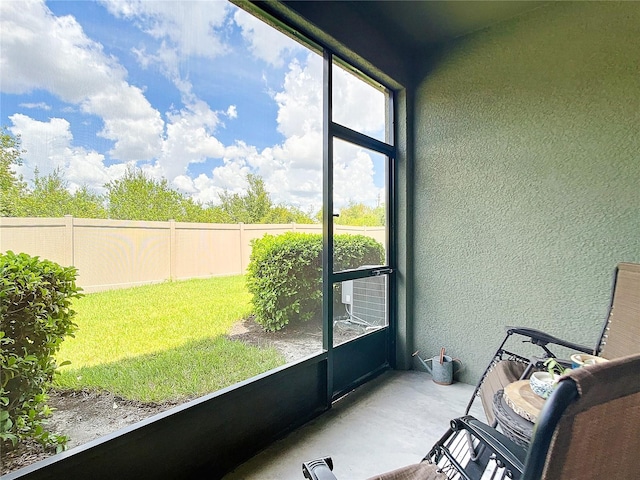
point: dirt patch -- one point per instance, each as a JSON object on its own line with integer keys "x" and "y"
{"x": 85, "y": 416}
{"x": 82, "y": 416}
{"x": 294, "y": 342}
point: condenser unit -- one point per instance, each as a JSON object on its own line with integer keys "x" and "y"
{"x": 365, "y": 300}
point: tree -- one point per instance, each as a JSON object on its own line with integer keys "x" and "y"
{"x": 360, "y": 215}
{"x": 137, "y": 196}
{"x": 286, "y": 214}
{"x": 195, "y": 212}
{"x": 250, "y": 207}
{"x": 12, "y": 187}
{"x": 256, "y": 206}
{"x": 87, "y": 204}
{"x": 51, "y": 197}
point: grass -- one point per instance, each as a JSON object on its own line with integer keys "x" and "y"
{"x": 162, "y": 342}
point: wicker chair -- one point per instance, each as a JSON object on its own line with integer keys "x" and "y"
{"x": 620, "y": 337}
{"x": 588, "y": 429}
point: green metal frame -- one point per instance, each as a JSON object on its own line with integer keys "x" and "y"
{"x": 370, "y": 361}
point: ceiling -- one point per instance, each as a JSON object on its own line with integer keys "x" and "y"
{"x": 421, "y": 24}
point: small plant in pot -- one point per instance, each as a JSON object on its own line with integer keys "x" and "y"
{"x": 555, "y": 368}
{"x": 543, "y": 383}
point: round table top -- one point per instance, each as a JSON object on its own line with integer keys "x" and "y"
{"x": 519, "y": 396}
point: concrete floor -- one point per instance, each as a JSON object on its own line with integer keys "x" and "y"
{"x": 389, "y": 422}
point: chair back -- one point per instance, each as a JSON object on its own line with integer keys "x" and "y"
{"x": 621, "y": 334}
{"x": 589, "y": 427}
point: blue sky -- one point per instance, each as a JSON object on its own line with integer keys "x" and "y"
{"x": 200, "y": 93}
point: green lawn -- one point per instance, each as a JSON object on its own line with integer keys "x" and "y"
{"x": 162, "y": 342}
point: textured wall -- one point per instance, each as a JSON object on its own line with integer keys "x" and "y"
{"x": 527, "y": 178}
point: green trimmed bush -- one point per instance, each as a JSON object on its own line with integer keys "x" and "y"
{"x": 284, "y": 275}
{"x": 35, "y": 317}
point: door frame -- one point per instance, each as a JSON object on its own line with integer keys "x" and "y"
{"x": 356, "y": 361}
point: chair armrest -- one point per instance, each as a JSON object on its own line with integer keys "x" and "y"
{"x": 319, "y": 469}
{"x": 505, "y": 449}
{"x": 541, "y": 338}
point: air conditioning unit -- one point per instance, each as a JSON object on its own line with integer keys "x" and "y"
{"x": 365, "y": 300}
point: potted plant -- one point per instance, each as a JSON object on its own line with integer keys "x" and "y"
{"x": 543, "y": 383}
{"x": 555, "y": 368}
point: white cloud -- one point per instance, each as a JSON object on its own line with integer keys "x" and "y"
{"x": 184, "y": 183}
{"x": 48, "y": 146}
{"x": 193, "y": 28}
{"x": 230, "y": 177}
{"x": 189, "y": 139}
{"x": 357, "y": 105}
{"x": 42, "y": 51}
{"x": 265, "y": 42}
{"x": 184, "y": 29}
{"x": 129, "y": 120}
{"x": 353, "y": 173}
{"x": 238, "y": 160}
{"x": 44, "y": 143}
{"x": 300, "y": 101}
{"x": 293, "y": 169}
{"x": 38, "y": 106}
{"x": 300, "y": 152}
{"x": 232, "y": 112}
{"x": 243, "y": 153}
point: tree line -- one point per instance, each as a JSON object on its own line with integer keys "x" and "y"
{"x": 137, "y": 196}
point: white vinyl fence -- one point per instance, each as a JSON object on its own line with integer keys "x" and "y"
{"x": 113, "y": 254}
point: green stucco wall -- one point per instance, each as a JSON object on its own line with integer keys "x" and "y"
{"x": 527, "y": 170}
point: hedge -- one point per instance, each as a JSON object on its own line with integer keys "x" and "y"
{"x": 35, "y": 317}
{"x": 284, "y": 274}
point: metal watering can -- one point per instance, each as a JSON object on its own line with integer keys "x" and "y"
{"x": 442, "y": 368}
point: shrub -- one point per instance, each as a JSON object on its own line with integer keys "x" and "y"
{"x": 36, "y": 315}
{"x": 284, "y": 275}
